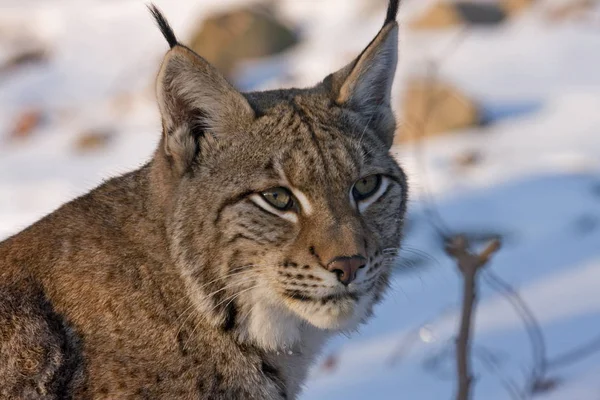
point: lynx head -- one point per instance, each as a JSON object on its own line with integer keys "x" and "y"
{"x": 283, "y": 206}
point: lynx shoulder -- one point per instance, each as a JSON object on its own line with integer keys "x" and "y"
{"x": 263, "y": 224}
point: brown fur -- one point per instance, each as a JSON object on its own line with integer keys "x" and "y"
{"x": 174, "y": 281}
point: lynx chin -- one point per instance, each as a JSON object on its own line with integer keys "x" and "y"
{"x": 264, "y": 223}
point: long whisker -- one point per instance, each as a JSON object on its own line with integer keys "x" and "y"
{"x": 410, "y": 250}
{"x": 233, "y": 272}
{"x": 228, "y": 286}
{"x": 421, "y": 253}
{"x": 231, "y": 285}
{"x": 230, "y": 298}
{"x": 239, "y": 271}
{"x": 226, "y": 276}
{"x": 185, "y": 312}
{"x": 191, "y": 309}
{"x": 233, "y": 297}
{"x": 247, "y": 315}
{"x": 247, "y": 269}
{"x": 236, "y": 271}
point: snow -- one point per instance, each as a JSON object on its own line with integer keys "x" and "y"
{"x": 537, "y": 183}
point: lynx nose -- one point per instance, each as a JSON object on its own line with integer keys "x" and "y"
{"x": 345, "y": 267}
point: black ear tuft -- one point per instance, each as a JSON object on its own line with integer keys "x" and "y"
{"x": 164, "y": 26}
{"x": 392, "y": 11}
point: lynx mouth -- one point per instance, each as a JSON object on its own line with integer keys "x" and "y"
{"x": 303, "y": 297}
{"x": 332, "y": 312}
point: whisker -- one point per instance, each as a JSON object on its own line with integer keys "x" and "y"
{"x": 192, "y": 308}
{"x": 230, "y": 298}
{"x": 228, "y": 275}
{"x": 421, "y": 253}
{"x": 233, "y": 297}
{"x": 228, "y": 286}
{"x": 243, "y": 319}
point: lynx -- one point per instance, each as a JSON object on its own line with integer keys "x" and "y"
{"x": 263, "y": 224}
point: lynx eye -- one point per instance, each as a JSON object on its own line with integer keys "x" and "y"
{"x": 279, "y": 197}
{"x": 366, "y": 187}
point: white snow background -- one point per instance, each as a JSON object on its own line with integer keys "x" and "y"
{"x": 537, "y": 184}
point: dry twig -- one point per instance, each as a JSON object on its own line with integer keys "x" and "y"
{"x": 469, "y": 264}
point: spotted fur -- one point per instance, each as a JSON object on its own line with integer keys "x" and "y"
{"x": 179, "y": 280}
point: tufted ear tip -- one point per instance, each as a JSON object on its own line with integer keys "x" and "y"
{"x": 163, "y": 25}
{"x": 392, "y": 12}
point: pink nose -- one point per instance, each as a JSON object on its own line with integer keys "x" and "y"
{"x": 346, "y": 267}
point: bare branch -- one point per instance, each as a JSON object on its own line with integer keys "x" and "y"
{"x": 469, "y": 265}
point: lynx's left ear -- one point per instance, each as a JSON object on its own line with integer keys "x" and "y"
{"x": 365, "y": 85}
{"x": 196, "y": 102}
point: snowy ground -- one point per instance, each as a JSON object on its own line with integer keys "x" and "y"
{"x": 537, "y": 184}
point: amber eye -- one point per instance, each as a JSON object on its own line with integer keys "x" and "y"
{"x": 279, "y": 197}
{"x": 366, "y": 187}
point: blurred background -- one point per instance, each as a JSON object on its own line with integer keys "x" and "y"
{"x": 499, "y": 111}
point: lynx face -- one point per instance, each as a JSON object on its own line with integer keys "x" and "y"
{"x": 279, "y": 203}
{"x": 287, "y": 207}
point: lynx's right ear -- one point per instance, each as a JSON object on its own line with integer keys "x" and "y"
{"x": 195, "y": 100}
{"x": 365, "y": 85}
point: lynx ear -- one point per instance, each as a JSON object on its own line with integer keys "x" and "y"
{"x": 365, "y": 85}
{"x": 195, "y": 101}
